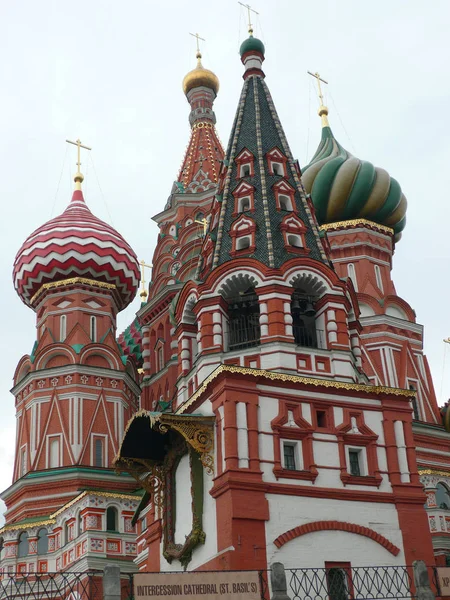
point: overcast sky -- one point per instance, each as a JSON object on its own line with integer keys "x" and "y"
{"x": 110, "y": 73}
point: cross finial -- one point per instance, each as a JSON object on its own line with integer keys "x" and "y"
{"x": 78, "y": 176}
{"x": 143, "y": 293}
{"x": 323, "y": 110}
{"x": 203, "y": 222}
{"x": 249, "y": 10}
{"x": 197, "y": 37}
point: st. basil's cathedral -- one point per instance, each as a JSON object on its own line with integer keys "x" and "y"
{"x": 270, "y": 401}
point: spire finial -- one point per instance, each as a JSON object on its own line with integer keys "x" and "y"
{"x": 249, "y": 8}
{"x": 143, "y": 293}
{"x": 78, "y": 178}
{"x": 323, "y": 110}
{"x": 198, "y": 56}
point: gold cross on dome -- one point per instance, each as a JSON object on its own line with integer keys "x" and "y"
{"x": 249, "y": 8}
{"x": 197, "y": 37}
{"x": 143, "y": 294}
{"x": 319, "y": 79}
{"x": 79, "y": 145}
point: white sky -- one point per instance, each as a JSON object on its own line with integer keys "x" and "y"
{"x": 110, "y": 73}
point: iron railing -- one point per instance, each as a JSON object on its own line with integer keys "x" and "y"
{"x": 308, "y": 337}
{"x": 244, "y": 332}
{"x": 52, "y": 586}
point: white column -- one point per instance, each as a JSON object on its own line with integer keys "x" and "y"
{"x": 242, "y": 437}
{"x": 401, "y": 452}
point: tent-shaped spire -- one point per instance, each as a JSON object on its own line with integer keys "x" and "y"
{"x": 261, "y": 197}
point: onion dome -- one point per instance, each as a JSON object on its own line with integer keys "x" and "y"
{"x": 76, "y": 244}
{"x": 200, "y": 77}
{"x": 252, "y": 44}
{"x": 343, "y": 187}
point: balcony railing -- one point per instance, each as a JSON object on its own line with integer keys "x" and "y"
{"x": 244, "y": 332}
{"x": 308, "y": 337}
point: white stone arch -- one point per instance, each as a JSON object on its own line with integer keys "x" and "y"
{"x": 394, "y": 310}
{"x": 103, "y": 352}
{"x": 237, "y": 281}
{"x": 311, "y": 281}
{"x": 53, "y": 352}
{"x": 188, "y": 315}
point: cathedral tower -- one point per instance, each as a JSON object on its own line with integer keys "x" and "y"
{"x": 74, "y": 394}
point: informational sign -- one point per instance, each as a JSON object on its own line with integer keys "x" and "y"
{"x": 231, "y": 585}
{"x": 443, "y": 574}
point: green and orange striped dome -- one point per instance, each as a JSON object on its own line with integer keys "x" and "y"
{"x": 343, "y": 187}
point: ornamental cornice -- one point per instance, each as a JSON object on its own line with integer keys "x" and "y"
{"x": 354, "y": 223}
{"x": 72, "y": 281}
{"x": 77, "y": 369}
{"x": 283, "y": 377}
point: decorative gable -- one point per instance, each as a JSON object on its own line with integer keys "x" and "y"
{"x": 245, "y": 164}
{"x": 242, "y": 234}
{"x": 276, "y": 162}
{"x": 244, "y": 198}
{"x": 294, "y": 231}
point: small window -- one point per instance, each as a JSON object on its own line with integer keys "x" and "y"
{"x": 277, "y": 169}
{"x": 160, "y": 358}
{"x": 54, "y": 453}
{"x": 244, "y": 204}
{"x": 93, "y": 329}
{"x": 22, "y": 547}
{"x": 285, "y": 202}
{"x": 111, "y": 519}
{"x": 289, "y": 457}
{"x": 98, "y": 453}
{"x": 354, "y": 459}
{"x": 352, "y": 274}
{"x": 321, "y": 416}
{"x": 42, "y": 541}
{"x": 62, "y": 327}
{"x": 80, "y": 523}
{"x": 243, "y": 243}
{"x": 245, "y": 170}
{"x": 378, "y": 278}
{"x": 294, "y": 240}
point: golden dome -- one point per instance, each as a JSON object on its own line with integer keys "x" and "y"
{"x": 199, "y": 77}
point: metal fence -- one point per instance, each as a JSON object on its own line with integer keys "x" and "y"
{"x": 52, "y": 586}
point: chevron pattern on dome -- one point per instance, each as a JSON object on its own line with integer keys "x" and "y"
{"x": 344, "y": 187}
{"x": 76, "y": 244}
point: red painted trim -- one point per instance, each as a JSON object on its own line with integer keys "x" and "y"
{"x": 336, "y": 526}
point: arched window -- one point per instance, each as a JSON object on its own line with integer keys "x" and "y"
{"x": 2, "y": 546}
{"x": 80, "y": 523}
{"x": 294, "y": 240}
{"x": 42, "y": 541}
{"x": 62, "y": 327}
{"x": 98, "y": 453}
{"x": 111, "y": 519}
{"x": 22, "y": 548}
{"x": 352, "y": 274}
{"x": 378, "y": 278}
{"x": 244, "y": 204}
{"x": 303, "y": 319}
{"x": 442, "y": 496}
{"x": 243, "y": 316}
{"x": 243, "y": 243}
{"x": 93, "y": 329}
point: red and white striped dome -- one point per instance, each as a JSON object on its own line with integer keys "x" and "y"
{"x": 76, "y": 244}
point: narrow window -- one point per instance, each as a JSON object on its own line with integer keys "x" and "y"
{"x": 321, "y": 416}
{"x": 98, "y": 453}
{"x": 111, "y": 519}
{"x": 339, "y": 581}
{"x": 289, "y": 457}
{"x": 442, "y": 497}
{"x": 352, "y": 274}
{"x": 42, "y": 541}
{"x": 80, "y": 523}
{"x": 23, "y": 462}
{"x": 354, "y": 457}
{"x": 62, "y": 327}
{"x": 22, "y": 548}
{"x": 54, "y": 454}
{"x": 378, "y": 278}
{"x": 160, "y": 358}
{"x": 93, "y": 329}
{"x": 414, "y": 404}
{"x": 66, "y": 533}
{"x": 277, "y": 169}
{"x": 285, "y": 202}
